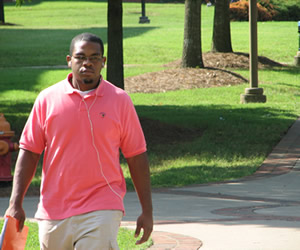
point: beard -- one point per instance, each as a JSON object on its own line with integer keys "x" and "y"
{"x": 88, "y": 81}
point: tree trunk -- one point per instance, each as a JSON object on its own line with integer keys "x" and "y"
{"x": 115, "y": 70}
{"x": 192, "y": 52}
{"x": 221, "y": 33}
{"x": 2, "y": 12}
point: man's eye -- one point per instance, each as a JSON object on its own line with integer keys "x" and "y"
{"x": 90, "y": 58}
{"x": 95, "y": 58}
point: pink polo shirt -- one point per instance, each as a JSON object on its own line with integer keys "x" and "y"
{"x": 72, "y": 179}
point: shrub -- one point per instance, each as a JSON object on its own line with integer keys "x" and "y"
{"x": 239, "y": 11}
{"x": 288, "y": 10}
{"x": 288, "y": 13}
{"x": 266, "y": 7}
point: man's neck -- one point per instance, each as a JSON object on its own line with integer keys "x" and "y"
{"x": 85, "y": 86}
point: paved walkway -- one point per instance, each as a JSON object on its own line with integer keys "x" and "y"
{"x": 261, "y": 211}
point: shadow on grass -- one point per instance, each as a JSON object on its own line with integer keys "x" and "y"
{"x": 173, "y": 125}
{"x": 219, "y": 126}
{"x": 16, "y": 114}
{"x": 231, "y": 147}
{"x": 169, "y": 126}
{"x": 292, "y": 70}
{"x": 183, "y": 176}
{"x": 36, "y": 2}
{"x": 32, "y": 47}
{"x": 284, "y": 86}
{"x": 225, "y": 142}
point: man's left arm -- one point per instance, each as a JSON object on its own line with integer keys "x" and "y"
{"x": 140, "y": 174}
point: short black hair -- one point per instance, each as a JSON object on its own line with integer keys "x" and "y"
{"x": 89, "y": 37}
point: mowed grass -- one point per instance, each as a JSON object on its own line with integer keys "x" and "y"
{"x": 236, "y": 137}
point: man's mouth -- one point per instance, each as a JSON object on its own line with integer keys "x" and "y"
{"x": 86, "y": 71}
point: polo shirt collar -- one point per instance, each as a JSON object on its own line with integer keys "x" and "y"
{"x": 99, "y": 91}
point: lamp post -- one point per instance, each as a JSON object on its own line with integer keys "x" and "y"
{"x": 254, "y": 93}
{"x": 144, "y": 18}
{"x": 297, "y": 57}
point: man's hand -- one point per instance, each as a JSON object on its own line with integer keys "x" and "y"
{"x": 145, "y": 222}
{"x": 18, "y": 213}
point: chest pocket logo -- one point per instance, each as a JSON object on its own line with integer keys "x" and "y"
{"x": 102, "y": 114}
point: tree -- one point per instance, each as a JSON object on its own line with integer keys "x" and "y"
{"x": 221, "y": 41}
{"x": 192, "y": 51}
{"x": 115, "y": 70}
{"x": 2, "y": 20}
{"x": 20, "y": 2}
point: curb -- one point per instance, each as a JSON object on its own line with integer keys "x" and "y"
{"x": 165, "y": 240}
{"x": 168, "y": 241}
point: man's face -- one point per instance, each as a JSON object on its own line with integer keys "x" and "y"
{"x": 86, "y": 63}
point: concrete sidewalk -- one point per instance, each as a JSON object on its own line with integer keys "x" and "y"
{"x": 261, "y": 211}
{"x": 258, "y": 214}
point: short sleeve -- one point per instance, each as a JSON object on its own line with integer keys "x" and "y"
{"x": 132, "y": 139}
{"x": 33, "y": 135}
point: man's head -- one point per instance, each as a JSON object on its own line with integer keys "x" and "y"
{"x": 86, "y": 60}
{"x": 88, "y": 37}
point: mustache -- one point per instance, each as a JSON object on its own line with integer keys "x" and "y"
{"x": 86, "y": 69}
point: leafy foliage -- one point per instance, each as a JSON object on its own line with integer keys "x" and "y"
{"x": 21, "y": 2}
{"x": 287, "y": 10}
{"x": 239, "y": 11}
{"x": 268, "y": 10}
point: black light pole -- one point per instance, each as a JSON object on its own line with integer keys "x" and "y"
{"x": 144, "y": 18}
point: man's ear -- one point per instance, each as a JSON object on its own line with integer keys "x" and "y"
{"x": 69, "y": 61}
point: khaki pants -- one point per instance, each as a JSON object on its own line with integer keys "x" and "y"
{"x": 94, "y": 231}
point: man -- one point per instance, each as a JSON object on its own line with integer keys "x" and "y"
{"x": 81, "y": 123}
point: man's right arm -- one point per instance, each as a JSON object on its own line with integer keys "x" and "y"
{"x": 24, "y": 171}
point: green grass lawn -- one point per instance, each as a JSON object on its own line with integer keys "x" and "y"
{"x": 236, "y": 137}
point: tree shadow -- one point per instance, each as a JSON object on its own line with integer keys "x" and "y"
{"x": 37, "y": 2}
{"x": 243, "y": 134}
{"x": 205, "y": 133}
{"x": 32, "y": 47}
{"x": 197, "y": 174}
{"x": 292, "y": 70}
{"x": 172, "y": 125}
